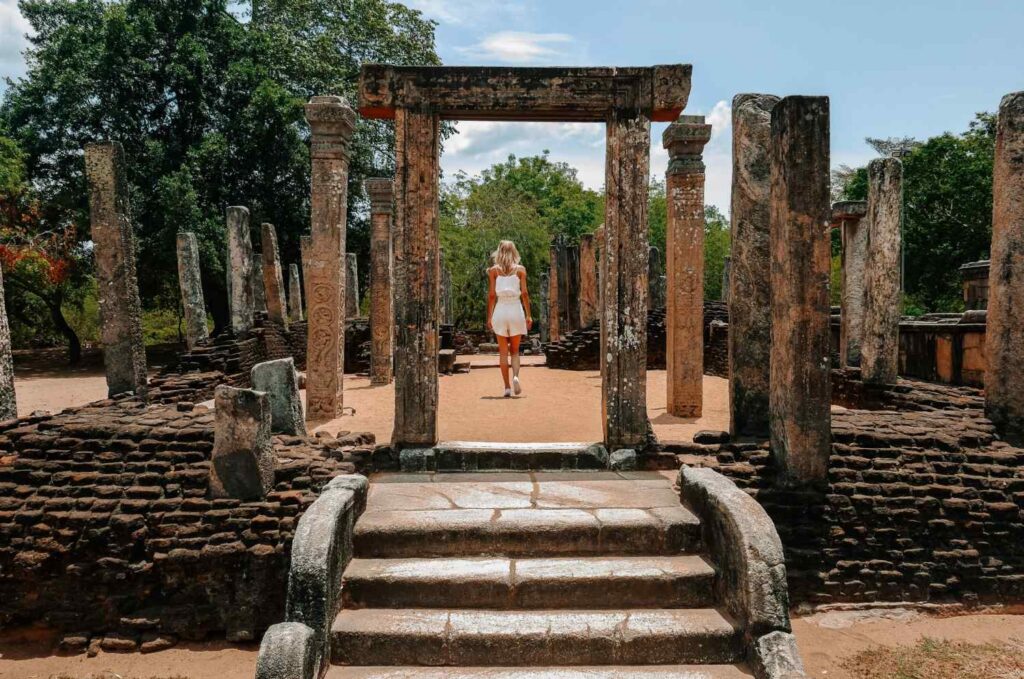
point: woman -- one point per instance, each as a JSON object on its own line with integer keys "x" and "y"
{"x": 506, "y": 298}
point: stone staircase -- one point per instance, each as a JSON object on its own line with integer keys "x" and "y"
{"x": 563, "y": 574}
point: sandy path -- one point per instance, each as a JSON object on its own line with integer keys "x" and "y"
{"x": 556, "y": 405}
{"x": 825, "y": 641}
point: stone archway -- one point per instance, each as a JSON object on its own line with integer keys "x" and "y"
{"x": 626, "y": 100}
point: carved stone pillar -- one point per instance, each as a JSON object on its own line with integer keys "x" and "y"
{"x": 750, "y": 319}
{"x": 191, "y": 284}
{"x": 848, "y": 217}
{"x": 684, "y": 255}
{"x": 351, "y": 285}
{"x": 273, "y": 278}
{"x": 880, "y": 345}
{"x": 241, "y": 299}
{"x": 624, "y": 288}
{"x": 417, "y": 161}
{"x": 1004, "y": 340}
{"x": 801, "y": 220}
{"x": 382, "y": 315}
{"x": 8, "y": 402}
{"x": 332, "y": 123}
{"x": 588, "y": 280}
{"x": 554, "y": 308}
{"x": 295, "y": 314}
{"x": 124, "y": 354}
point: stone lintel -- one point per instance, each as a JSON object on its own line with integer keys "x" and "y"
{"x": 659, "y": 93}
{"x": 381, "y": 192}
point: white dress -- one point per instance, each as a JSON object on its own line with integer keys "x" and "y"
{"x": 508, "y": 319}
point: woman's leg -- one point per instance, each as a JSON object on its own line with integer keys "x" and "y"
{"x": 503, "y": 359}
{"x": 514, "y": 350}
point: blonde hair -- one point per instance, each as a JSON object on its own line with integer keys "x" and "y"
{"x": 506, "y": 257}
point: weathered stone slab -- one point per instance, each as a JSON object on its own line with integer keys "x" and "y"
{"x": 588, "y": 281}
{"x": 259, "y": 291}
{"x": 8, "y": 402}
{"x": 332, "y": 123}
{"x": 294, "y": 294}
{"x": 417, "y": 153}
{"x": 624, "y": 290}
{"x": 883, "y": 299}
{"x": 288, "y": 651}
{"x": 1004, "y": 339}
{"x": 191, "y": 284}
{"x": 750, "y": 320}
{"x": 273, "y": 278}
{"x": 801, "y": 217}
{"x": 351, "y": 285}
{"x": 381, "y": 192}
{"x": 241, "y": 297}
{"x": 124, "y": 354}
{"x": 243, "y": 460}
{"x": 776, "y": 656}
{"x": 658, "y": 93}
{"x": 280, "y": 382}
{"x": 849, "y": 218}
{"x": 684, "y": 245}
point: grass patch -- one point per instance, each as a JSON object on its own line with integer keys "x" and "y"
{"x": 940, "y": 659}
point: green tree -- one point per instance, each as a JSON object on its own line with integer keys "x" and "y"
{"x": 208, "y": 109}
{"x": 947, "y": 199}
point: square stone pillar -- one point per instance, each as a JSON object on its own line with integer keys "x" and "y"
{"x": 241, "y": 295}
{"x": 382, "y": 314}
{"x": 124, "y": 355}
{"x": 588, "y": 280}
{"x": 801, "y": 218}
{"x": 880, "y": 344}
{"x": 726, "y": 265}
{"x": 417, "y": 170}
{"x": 1004, "y": 337}
{"x": 657, "y": 280}
{"x": 602, "y": 274}
{"x": 351, "y": 285}
{"x": 242, "y": 463}
{"x": 8, "y": 402}
{"x": 295, "y": 314}
{"x": 273, "y": 278}
{"x": 624, "y": 288}
{"x": 554, "y": 308}
{"x": 849, "y": 217}
{"x": 684, "y": 258}
{"x": 542, "y": 308}
{"x": 259, "y": 291}
{"x": 191, "y": 283}
{"x": 750, "y": 317}
{"x": 332, "y": 123}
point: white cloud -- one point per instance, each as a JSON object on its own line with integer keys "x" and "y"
{"x": 13, "y": 27}
{"x": 516, "y": 47}
{"x": 459, "y": 12}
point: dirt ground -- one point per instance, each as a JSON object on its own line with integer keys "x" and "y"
{"x": 826, "y": 641}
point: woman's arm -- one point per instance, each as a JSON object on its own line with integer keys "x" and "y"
{"x": 492, "y": 296}
{"x": 525, "y": 297}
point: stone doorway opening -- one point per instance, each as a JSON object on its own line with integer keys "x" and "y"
{"x": 626, "y": 101}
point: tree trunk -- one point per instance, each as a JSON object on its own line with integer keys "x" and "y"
{"x": 59, "y": 322}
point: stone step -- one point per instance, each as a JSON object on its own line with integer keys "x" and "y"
{"x": 501, "y": 583}
{"x": 580, "y": 672}
{"x": 473, "y": 456}
{"x": 531, "y": 532}
{"x": 441, "y": 637}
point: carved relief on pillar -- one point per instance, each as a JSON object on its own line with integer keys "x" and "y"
{"x": 381, "y": 193}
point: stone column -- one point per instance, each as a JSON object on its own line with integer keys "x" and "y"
{"x": 382, "y": 315}
{"x": 259, "y": 292}
{"x": 624, "y": 288}
{"x": 273, "y": 280}
{"x": 684, "y": 255}
{"x": 294, "y": 294}
{"x": 242, "y": 463}
{"x": 191, "y": 284}
{"x": 750, "y": 319}
{"x": 417, "y": 161}
{"x": 351, "y": 286}
{"x": 588, "y": 280}
{"x": 554, "y": 308}
{"x": 848, "y": 217}
{"x": 305, "y": 247}
{"x": 8, "y": 402}
{"x": 446, "y": 291}
{"x": 1004, "y": 340}
{"x": 279, "y": 381}
{"x": 542, "y": 308}
{"x": 657, "y": 281}
{"x": 332, "y": 123}
{"x": 880, "y": 345}
{"x": 569, "y": 288}
{"x": 801, "y": 261}
{"x": 124, "y": 354}
{"x": 602, "y": 274}
{"x": 726, "y": 266}
{"x": 241, "y": 300}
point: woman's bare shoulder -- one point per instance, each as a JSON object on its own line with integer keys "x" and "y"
{"x": 521, "y": 270}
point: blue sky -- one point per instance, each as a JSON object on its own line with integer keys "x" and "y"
{"x": 890, "y": 67}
